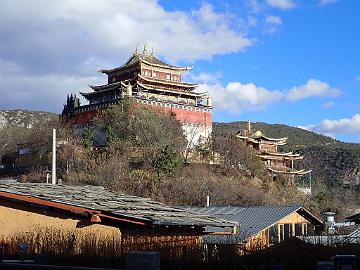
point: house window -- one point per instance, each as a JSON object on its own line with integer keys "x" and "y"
{"x": 168, "y": 76}
{"x": 298, "y": 229}
{"x": 287, "y": 231}
{"x": 281, "y": 232}
{"x": 310, "y": 229}
{"x": 273, "y": 235}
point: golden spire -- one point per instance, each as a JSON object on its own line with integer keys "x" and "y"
{"x": 249, "y": 127}
{"x": 145, "y": 50}
{"x": 137, "y": 49}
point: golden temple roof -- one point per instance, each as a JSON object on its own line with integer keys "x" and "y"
{"x": 147, "y": 58}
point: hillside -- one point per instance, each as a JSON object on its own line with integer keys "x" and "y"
{"x": 23, "y": 118}
{"x": 297, "y": 137}
{"x": 18, "y": 126}
{"x": 333, "y": 162}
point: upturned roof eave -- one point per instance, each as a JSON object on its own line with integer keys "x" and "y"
{"x": 170, "y": 91}
{"x": 181, "y": 84}
{"x": 127, "y": 64}
{"x": 295, "y": 172}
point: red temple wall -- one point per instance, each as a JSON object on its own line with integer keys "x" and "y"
{"x": 83, "y": 117}
{"x": 182, "y": 115}
{"x": 193, "y": 117}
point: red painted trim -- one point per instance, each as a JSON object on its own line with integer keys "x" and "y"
{"x": 123, "y": 219}
{"x": 71, "y": 208}
{"x": 29, "y": 199}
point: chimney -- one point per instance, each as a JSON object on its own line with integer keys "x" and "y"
{"x": 330, "y": 222}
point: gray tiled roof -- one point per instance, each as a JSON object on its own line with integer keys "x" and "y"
{"x": 137, "y": 57}
{"x": 114, "y": 204}
{"x": 251, "y": 219}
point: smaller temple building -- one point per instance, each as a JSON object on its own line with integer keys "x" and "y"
{"x": 268, "y": 150}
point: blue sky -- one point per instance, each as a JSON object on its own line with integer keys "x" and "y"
{"x": 293, "y": 62}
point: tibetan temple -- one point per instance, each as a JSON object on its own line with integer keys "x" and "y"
{"x": 149, "y": 81}
{"x": 268, "y": 151}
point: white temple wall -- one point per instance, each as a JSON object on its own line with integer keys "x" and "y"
{"x": 196, "y": 133}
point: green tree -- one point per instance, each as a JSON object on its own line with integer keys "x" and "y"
{"x": 168, "y": 162}
{"x": 88, "y": 138}
{"x": 141, "y": 130}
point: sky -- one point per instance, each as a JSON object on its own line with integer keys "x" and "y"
{"x": 293, "y": 62}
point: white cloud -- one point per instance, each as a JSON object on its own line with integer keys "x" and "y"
{"x": 272, "y": 23}
{"x": 51, "y": 48}
{"x": 252, "y": 21}
{"x": 313, "y": 88}
{"x": 76, "y": 30}
{"x": 308, "y": 128}
{"x": 281, "y": 4}
{"x": 344, "y": 126}
{"x": 255, "y": 6}
{"x": 328, "y": 105}
{"x": 236, "y": 97}
{"x": 326, "y": 2}
{"x": 38, "y": 92}
{"x": 357, "y": 78}
{"x": 204, "y": 77}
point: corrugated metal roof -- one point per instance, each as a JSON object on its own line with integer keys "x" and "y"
{"x": 353, "y": 238}
{"x": 251, "y": 219}
{"x": 354, "y": 218}
{"x": 331, "y": 240}
{"x": 116, "y": 204}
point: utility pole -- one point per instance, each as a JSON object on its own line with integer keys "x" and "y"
{"x": 53, "y": 173}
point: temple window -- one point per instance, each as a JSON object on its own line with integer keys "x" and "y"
{"x": 168, "y": 76}
{"x": 154, "y": 74}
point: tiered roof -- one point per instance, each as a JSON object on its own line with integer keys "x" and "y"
{"x": 277, "y": 155}
{"x": 285, "y": 170}
{"x": 259, "y": 138}
{"x": 146, "y": 58}
{"x": 145, "y": 83}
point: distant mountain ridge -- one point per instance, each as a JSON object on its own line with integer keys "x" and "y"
{"x": 333, "y": 162}
{"x": 297, "y": 137}
{"x": 23, "y": 118}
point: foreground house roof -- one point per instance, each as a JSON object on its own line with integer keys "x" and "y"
{"x": 252, "y": 220}
{"x": 95, "y": 200}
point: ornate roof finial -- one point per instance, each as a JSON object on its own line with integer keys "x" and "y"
{"x": 137, "y": 49}
{"x": 145, "y": 51}
{"x": 249, "y": 127}
{"x": 152, "y": 52}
